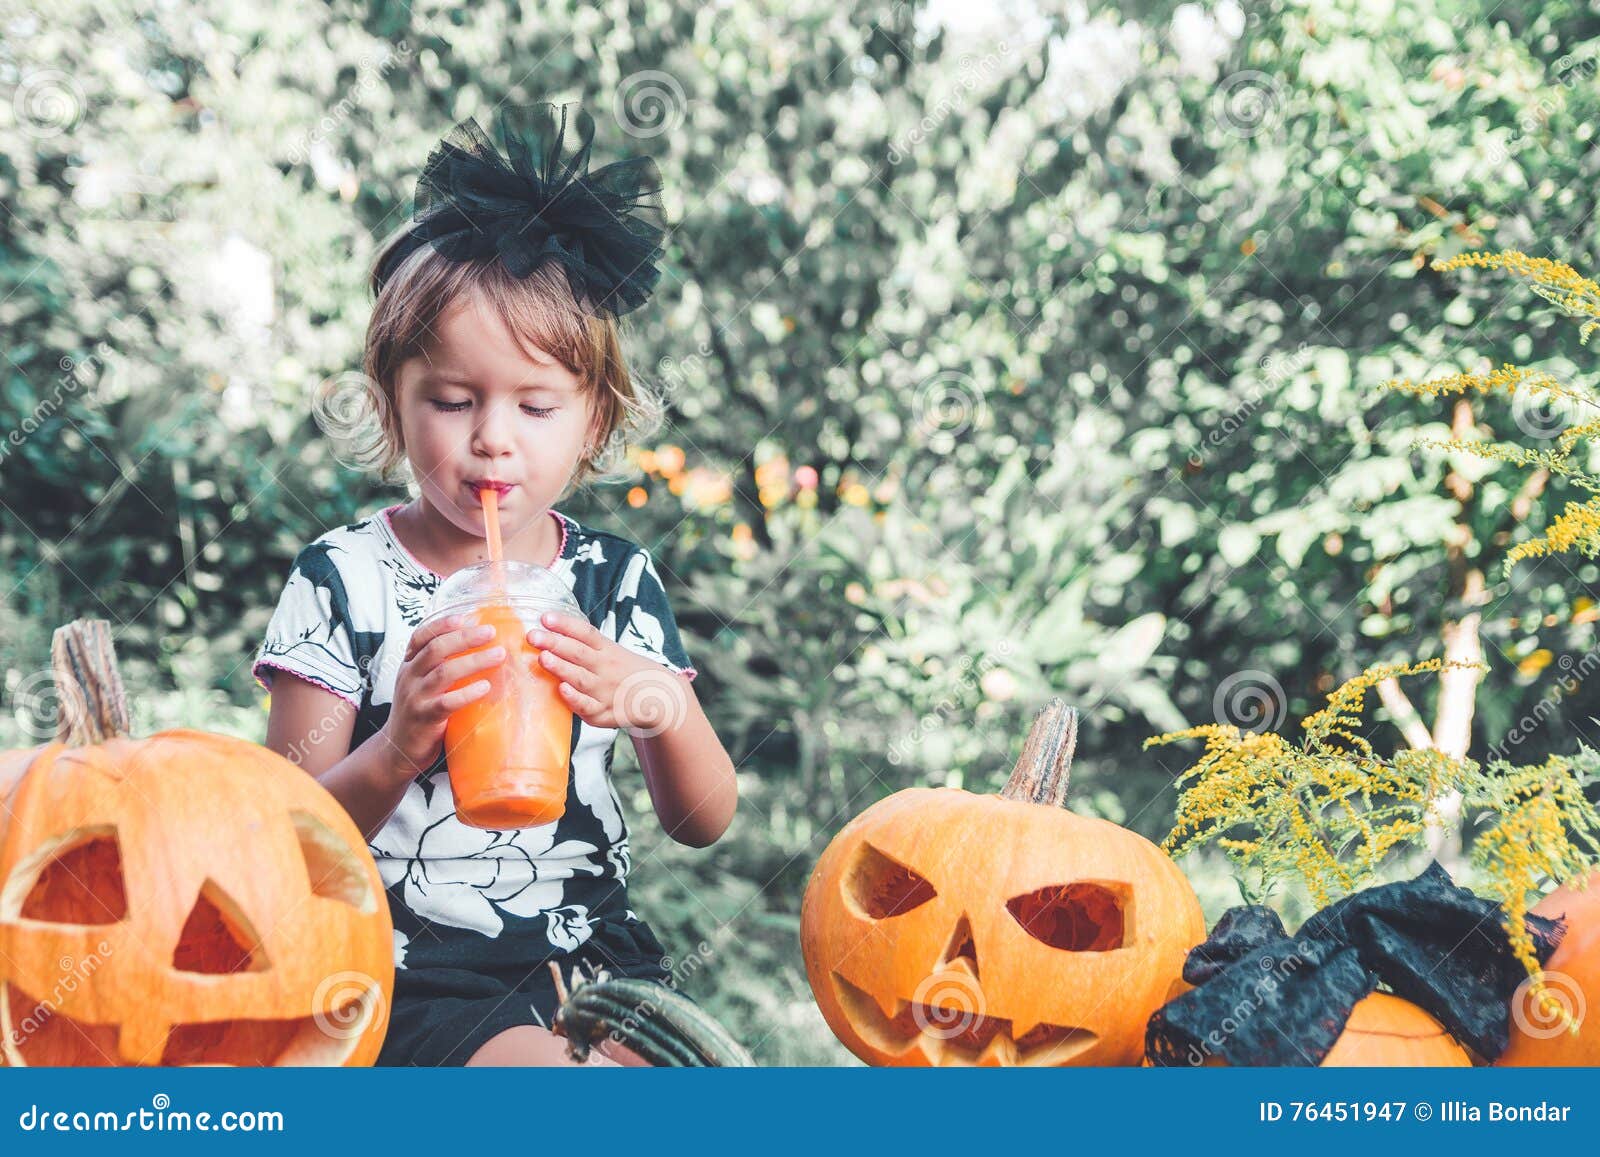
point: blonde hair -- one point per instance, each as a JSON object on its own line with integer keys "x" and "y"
{"x": 539, "y": 310}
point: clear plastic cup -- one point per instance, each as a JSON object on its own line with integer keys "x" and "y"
{"x": 508, "y": 752}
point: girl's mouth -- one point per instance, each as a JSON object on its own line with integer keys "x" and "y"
{"x": 500, "y": 488}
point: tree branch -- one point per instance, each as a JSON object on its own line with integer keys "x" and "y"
{"x": 1406, "y": 716}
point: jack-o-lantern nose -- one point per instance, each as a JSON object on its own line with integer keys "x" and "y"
{"x": 962, "y": 951}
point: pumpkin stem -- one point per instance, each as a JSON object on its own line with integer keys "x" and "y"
{"x": 1044, "y": 771}
{"x": 654, "y": 1020}
{"x": 92, "y": 705}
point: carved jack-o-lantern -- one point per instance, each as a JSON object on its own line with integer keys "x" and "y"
{"x": 183, "y": 899}
{"x": 946, "y": 928}
{"x": 1572, "y": 980}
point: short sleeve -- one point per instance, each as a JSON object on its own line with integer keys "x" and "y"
{"x": 310, "y": 634}
{"x": 644, "y": 621}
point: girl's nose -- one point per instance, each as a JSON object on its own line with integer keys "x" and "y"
{"x": 492, "y": 434}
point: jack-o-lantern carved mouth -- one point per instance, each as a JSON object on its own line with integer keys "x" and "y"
{"x": 957, "y": 1035}
{"x": 46, "y": 1036}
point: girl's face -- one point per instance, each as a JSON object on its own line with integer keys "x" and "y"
{"x": 477, "y": 406}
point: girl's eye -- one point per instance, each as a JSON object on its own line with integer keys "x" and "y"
{"x": 456, "y": 407}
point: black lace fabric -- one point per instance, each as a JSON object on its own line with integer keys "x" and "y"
{"x": 1264, "y": 997}
{"x": 540, "y": 202}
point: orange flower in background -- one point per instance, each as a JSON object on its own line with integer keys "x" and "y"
{"x": 773, "y": 472}
{"x": 1535, "y": 662}
{"x": 669, "y": 460}
{"x": 709, "y": 489}
{"x": 637, "y": 497}
{"x": 772, "y": 477}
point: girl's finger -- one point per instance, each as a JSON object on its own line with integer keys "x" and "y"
{"x": 583, "y": 705}
{"x": 562, "y": 669}
{"x": 441, "y": 647}
{"x": 452, "y": 701}
{"x": 581, "y": 630}
{"x": 426, "y": 633}
{"x": 452, "y": 671}
{"x": 564, "y": 645}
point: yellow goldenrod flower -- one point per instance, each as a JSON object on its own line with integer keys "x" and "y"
{"x": 1332, "y": 814}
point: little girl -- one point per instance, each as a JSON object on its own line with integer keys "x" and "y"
{"x": 492, "y": 359}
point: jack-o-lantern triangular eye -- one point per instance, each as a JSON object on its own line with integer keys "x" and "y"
{"x": 1080, "y": 917}
{"x": 881, "y": 887}
{"x": 74, "y": 879}
{"x": 331, "y": 863}
{"x": 217, "y": 937}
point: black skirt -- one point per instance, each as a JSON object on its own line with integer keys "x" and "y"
{"x": 441, "y": 1016}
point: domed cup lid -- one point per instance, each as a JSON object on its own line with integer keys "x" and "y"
{"x": 529, "y": 588}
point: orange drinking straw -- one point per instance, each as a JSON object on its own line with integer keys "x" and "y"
{"x": 491, "y": 525}
{"x": 491, "y": 520}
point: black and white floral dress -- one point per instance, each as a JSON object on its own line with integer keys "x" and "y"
{"x": 478, "y": 914}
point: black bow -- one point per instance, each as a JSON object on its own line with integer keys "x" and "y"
{"x": 541, "y": 203}
{"x": 1266, "y": 998}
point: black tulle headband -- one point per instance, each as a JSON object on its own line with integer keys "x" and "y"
{"x": 539, "y": 202}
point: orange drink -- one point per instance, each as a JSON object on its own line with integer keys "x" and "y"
{"x": 509, "y": 751}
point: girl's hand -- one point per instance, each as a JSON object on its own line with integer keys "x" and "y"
{"x": 423, "y": 701}
{"x": 604, "y": 683}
